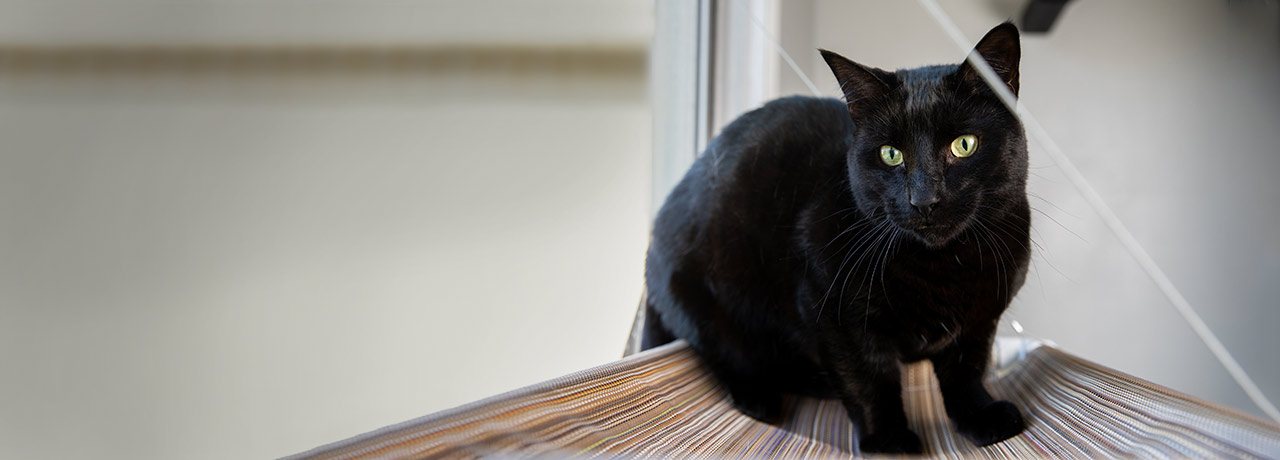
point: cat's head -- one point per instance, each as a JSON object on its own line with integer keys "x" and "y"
{"x": 933, "y": 147}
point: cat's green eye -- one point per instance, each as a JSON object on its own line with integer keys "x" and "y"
{"x": 890, "y": 155}
{"x": 964, "y": 145}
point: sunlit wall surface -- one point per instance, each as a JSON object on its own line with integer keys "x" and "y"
{"x": 1171, "y": 110}
{"x": 244, "y": 229}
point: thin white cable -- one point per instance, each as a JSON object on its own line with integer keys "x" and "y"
{"x": 1108, "y": 216}
{"x": 778, "y": 47}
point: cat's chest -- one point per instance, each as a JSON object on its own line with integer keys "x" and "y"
{"x": 930, "y": 300}
{"x": 968, "y": 271}
{"x": 922, "y": 336}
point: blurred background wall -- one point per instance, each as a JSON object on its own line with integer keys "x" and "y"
{"x": 243, "y": 229}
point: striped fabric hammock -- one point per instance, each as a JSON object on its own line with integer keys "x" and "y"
{"x": 664, "y": 403}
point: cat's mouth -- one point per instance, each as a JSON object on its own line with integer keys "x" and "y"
{"x": 934, "y": 234}
{"x": 934, "y": 231}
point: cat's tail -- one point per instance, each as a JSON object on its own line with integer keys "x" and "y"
{"x": 654, "y": 333}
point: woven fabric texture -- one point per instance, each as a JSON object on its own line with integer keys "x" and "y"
{"x": 663, "y": 403}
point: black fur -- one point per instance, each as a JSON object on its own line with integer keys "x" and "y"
{"x": 794, "y": 260}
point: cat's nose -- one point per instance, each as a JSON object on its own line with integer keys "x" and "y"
{"x": 924, "y": 201}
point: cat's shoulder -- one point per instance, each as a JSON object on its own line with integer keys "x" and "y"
{"x": 813, "y": 117}
{"x": 804, "y": 108}
{"x": 800, "y": 101}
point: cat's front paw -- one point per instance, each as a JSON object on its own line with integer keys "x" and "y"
{"x": 996, "y": 422}
{"x": 891, "y": 442}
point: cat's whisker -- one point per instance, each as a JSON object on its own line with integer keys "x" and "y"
{"x": 846, "y": 231}
{"x": 979, "y": 240}
{"x": 1050, "y": 203}
{"x": 1009, "y": 228}
{"x": 984, "y": 235}
{"x": 1035, "y": 209}
{"x": 1035, "y": 232}
{"x": 1008, "y": 251}
{"x": 1004, "y": 262}
{"x": 1064, "y": 227}
{"x": 867, "y": 242}
{"x": 871, "y": 265}
{"x": 842, "y": 211}
{"x": 888, "y": 257}
{"x": 822, "y": 302}
{"x": 1002, "y": 211}
{"x": 867, "y": 309}
{"x": 864, "y": 240}
{"x": 879, "y": 262}
{"x": 995, "y": 221}
{"x": 871, "y": 241}
{"x": 1042, "y": 252}
{"x": 843, "y": 262}
{"x": 879, "y": 233}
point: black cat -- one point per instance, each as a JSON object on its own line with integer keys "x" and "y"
{"x": 818, "y": 243}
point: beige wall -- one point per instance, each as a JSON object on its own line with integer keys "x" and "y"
{"x": 246, "y": 261}
{"x": 252, "y": 22}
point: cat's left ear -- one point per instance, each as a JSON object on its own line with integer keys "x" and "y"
{"x": 859, "y": 83}
{"x": 1002, "y": 52}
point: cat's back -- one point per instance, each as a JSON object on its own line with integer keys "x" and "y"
{"x": 786, "y": 144}
{"x": 789, "y": 128}
{"x": 723, "y": 239}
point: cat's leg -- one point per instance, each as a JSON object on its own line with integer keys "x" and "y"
{"x": 960, "y": 369}
{"x": 755, "y": 395}
{"x": 743, "y": 366}
{"x": 870, "y": 385}
{"x": 654, "y": 333}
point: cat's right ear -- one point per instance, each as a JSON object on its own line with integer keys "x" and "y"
{"x": 858, "y": 83}
{"x": 1001, "y": 50}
